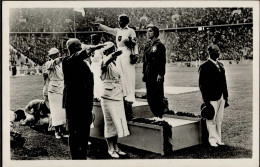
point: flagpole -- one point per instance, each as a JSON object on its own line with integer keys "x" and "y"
{"x": 74, "y": 25}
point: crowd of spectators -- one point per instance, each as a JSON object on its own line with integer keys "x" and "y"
{"x": 62, "y": 19}
{"x": 186, "y": 45}
{"x": 182, "y": 44}
{"x": 36, "y": 46}
{"x": 43, "y": 20}
{"x": 235, "y": 43}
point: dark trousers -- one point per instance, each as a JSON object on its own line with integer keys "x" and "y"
{"x": 155, "y": 95}
{"x": 79, "y": 129}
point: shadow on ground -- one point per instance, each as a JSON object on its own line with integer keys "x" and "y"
{"x": 98, "y": 150}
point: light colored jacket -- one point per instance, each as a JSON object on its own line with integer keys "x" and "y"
{"x": 56, "y": 83}
{"x": 111, "y": 78}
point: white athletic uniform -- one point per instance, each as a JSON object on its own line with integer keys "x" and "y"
{"x": 96, "y": 61}
{"x": 123, "y": 61}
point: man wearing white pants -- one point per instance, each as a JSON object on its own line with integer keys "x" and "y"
{"x": 214, "y": 126}
{"x": 213, "y": 87}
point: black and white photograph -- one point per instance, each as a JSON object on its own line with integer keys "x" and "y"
{"x": 130, "y": 83}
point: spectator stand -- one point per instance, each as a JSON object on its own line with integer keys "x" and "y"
{"x": 21, "y": 64}
{"x": 186, "y": 38}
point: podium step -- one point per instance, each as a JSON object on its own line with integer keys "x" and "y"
{"x": 185, "y": 131}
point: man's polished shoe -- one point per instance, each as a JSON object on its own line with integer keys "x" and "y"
{"x": 220, "y": 143}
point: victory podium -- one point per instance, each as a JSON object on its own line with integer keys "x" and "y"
{"x": 185, "y": 131}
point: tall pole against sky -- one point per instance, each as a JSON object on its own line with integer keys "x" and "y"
{"x": 81, "y": 10}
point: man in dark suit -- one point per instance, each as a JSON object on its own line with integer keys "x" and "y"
{"x": 154, "y": 61}
{"x": 78, "y": 96}
{"x": 213, "y": 87}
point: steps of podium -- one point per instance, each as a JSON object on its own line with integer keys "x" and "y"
{"x": 185, "y": 131}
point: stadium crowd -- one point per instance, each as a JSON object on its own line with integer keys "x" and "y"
{"x": 43, "y": 20}
{"x": 182, "y": 45}
{"x": 235, "y": 43}
{"x": 62, "y": 20}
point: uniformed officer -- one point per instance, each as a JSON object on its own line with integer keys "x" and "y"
{"x": 154, "y": 60}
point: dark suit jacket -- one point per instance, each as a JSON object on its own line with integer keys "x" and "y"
{"x": 78, "y": 82}
{"x": 154, "y": 60}
{"x": 212, "y": 81}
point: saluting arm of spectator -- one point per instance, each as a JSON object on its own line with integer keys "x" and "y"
{"x": 108, "y": 59}
{"x": 58, "y": 60}
{"x": 86, "y": 52}
{"x": 50, "y": 64}
{"x": 104, "y": 65}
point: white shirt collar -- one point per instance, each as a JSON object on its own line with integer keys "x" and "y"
{"x": 215, "y": 62}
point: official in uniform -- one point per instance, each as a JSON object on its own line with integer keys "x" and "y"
{"x": 213, "y": 87}
{"x": 154, "y": 60}
{"x": 124, "y": 35}
{"x": 78, "y": 96}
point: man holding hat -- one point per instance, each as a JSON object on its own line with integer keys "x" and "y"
{"x": 213, "y": 87}
{"x": 78, "y": 96}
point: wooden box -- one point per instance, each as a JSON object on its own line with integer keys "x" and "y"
{"x": 185, "y": 131}
{"x": 144, "y": 136}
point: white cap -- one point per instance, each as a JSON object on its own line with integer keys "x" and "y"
{"x": 53, "y": 51}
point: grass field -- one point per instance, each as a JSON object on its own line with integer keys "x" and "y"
{"x": 236, "y": 129}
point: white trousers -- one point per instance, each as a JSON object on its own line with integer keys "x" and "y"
{"x": 128, "y": 73}
{"x": 214, "y": 125}
{"x": 98, "y": 84}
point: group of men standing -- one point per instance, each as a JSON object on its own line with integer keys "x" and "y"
{"x": 78, "y": 93}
